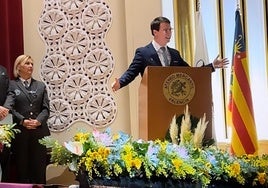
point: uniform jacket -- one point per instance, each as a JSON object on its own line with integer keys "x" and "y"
{"x": 4, "y": 81}
{"x": 29, "y": 103}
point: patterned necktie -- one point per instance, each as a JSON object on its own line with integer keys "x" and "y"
{"x": 164, "y": 55}
{"x": 26, "y": 84}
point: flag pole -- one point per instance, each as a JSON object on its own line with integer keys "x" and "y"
{"x": 197, "y": 5}
{"x": 237, "y": 5}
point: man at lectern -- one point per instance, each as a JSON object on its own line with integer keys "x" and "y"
{"x": 157, "y": 53}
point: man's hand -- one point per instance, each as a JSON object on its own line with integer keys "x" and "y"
{"x": 115, "y": 85}
{"x": 220, "y": 63}
{"x": 3, "y": 112}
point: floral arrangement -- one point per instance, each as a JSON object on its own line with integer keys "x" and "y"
{"x": 102, "y": 155}
{"x": 7, "y": 133}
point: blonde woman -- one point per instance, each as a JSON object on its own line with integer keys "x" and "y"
{"x": 28, "y": 102}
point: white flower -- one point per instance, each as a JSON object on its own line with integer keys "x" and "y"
{"x": 74, "y": 147}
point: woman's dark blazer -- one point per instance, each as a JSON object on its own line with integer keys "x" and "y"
{"x": 4, "y": 81}
{"x": 29, "y": 103}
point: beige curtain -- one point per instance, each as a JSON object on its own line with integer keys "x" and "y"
{"x": 184, "y": 30}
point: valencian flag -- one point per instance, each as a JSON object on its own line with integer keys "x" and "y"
{"x": 240, "y": 108}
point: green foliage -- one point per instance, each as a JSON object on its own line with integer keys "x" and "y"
{"x": 7, "y": 133}
{"x": 59, "y": 154}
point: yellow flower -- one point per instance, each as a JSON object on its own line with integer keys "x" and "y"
{"x": 261, "y": 178}
{"x": 163, "y": 145}
{"x": 235, "y": 169}
{"x": 128, "y": 148}
{"x": 250, "y": 156}
{"x": 116, "y": 137}
{"x": 262, "y": 163}
{"x": 177, "y": 163}
{"x": 136, "y": 163}
{"x": 208, "y": 165}
{"x": 104, "y": 152}
{"x": 81, "y": 137}
{"x": 117, "y": 169}
{"x": 88, "y": 161}
{"x": 127, "y": 158}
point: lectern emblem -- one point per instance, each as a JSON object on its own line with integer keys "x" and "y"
{"x": 179, "y": 88}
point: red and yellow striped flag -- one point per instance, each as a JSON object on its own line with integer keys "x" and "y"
{"x": 240, "y": 108}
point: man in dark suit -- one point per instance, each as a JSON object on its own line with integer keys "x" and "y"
{"x": 28, "y": 101}
{"x": 4, "y": 151}
{"x": 157, "y": 53}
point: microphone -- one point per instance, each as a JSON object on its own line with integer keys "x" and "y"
{"x": 200, "y": 61}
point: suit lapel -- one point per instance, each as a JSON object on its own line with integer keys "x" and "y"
{"x": 153, "y": 54}
{"x": 33, "y": 85}
{"x": 172, "y": 55}
{"x": 24, "y": 90}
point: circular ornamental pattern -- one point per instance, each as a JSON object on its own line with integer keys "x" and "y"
{"x": 76, "y": 44}
{"x": 101, "y": 110}
{"x": 53, "y": 24}
{"x": 78, "y": 88}
{"x": 59, "y": 119}
{"x": 73, "y": 6}
{"x": 55, "y": 69}
{"x": 97, "y": 17}
{"x": 179, "y": 88}
{"x": 99, "y": 64}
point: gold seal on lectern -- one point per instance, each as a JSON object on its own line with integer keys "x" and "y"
{"x": 179, "y": 88}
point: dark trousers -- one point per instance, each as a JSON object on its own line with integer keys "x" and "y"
{"x": 5, "y": 163}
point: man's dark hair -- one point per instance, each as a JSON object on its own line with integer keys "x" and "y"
{"x": 155, "y": 24}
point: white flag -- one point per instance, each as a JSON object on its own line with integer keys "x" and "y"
{"x": 201, "y": 52}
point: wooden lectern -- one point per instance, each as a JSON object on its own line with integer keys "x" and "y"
{"x": 165, "y": 91}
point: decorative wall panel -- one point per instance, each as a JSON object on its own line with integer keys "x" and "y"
{"x": 77, "y": 63}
